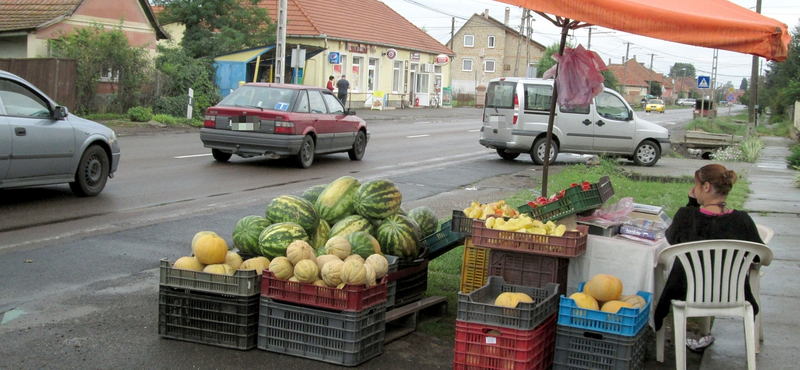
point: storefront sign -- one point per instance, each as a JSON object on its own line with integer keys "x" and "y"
{"x": 414, "y": 56}
{"x": 357, "y": 48}
{"x": 442, "y": 59}
{"x": 335, "y": 57}
{"x": 391, "y": 54}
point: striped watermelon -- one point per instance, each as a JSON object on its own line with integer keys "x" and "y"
{"x": 399, "y": 236}
{"x": 378, "y": 199}
{"x": 350, "y": 224}
{"x": 336, "y": 201}
{"x": 320, "y": 235}
{"x": 363, "y": 244}
{"x": 247, "y": 231}
{"x": 274, "y": 240}
{"x": 426, "y": 219}
{"x": 290, "y": 208}
{"x": 311, "y": 194}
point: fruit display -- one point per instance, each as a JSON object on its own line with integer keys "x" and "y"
{"x": 351, "y": 224}
{"x": 399, "y": 236}
{"x": 289, "y": 208}
{"x": 247, "y": 231}
{"x": 363, "y": 244}
{"x": 426, "y": 219}
{"x": 482, "y": 211}
{"x": 337, "y": 200}
{"x": 512, "y": 299}
{"x": 274, "y": 240}
{"x": 210, "y": 249}
{"x": 377, "y": 199}
{"x": 211, "y": 254}
{"x": 524, "y": 223}
{"x": 311, "y": 194}
{"x": 540, "y": 201}
{"x": 604, "y": 292}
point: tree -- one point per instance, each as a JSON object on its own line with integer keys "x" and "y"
{"x": 547, "y": 60}
{"x": 677, "y": 70}
{"x": 743, "y": 85}
{"x": 780, "y": 80}
{"x": 655, "y": 88}
{"x": 610, "y": 79}
{"x": 178, "y": 73}
{"x": 215, "y": 27}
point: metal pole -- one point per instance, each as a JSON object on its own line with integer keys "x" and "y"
{"x": 551, "y": 119}
{"x": 751, "y": 106}
{"x": 280, "y": 43}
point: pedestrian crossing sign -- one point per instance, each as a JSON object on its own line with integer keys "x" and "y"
{"x": 703, "y": 82}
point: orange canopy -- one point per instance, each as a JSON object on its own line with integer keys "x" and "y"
{"x": 717, "y": 24}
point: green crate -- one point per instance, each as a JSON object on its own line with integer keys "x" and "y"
{"x": 575, "y": 200}
{"x": 442, "y": 241}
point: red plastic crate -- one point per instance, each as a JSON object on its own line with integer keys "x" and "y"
{"x": 350, "y": 298}
{"x": 571, "y": 244}
{"x": 480, "y": 346}
{"x": 529, "y": 269}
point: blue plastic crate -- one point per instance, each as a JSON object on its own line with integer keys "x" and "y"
{"x": 626, "y": 322}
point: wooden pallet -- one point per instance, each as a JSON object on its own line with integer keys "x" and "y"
{"x": 403, "y": 320}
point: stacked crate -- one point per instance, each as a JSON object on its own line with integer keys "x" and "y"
{"x": 494, "y": 337}
{"x": 214, "y": 309}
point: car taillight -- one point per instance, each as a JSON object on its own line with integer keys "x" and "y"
{"x": 516, "y": 108}
{"x": 209, "y": 121}
{"x": 284, "y": 127}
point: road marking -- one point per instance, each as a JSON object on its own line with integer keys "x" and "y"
{"x": 192, "y": 156}
{"x": 415, "y": 136}
{"x": 668, "y": 123}
{"x": 473, "y": 130}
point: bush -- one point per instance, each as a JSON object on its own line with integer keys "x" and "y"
{"x": 172, "y": 105}
{"x": 794, "y": 158}
{"x": 751, "y": 149}
{"x": 140, "y": 114}
{"x": 165, "y": 119}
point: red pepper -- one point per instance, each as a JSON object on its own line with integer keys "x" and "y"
{"x": 532, "y": 204}
{"x": 574, "y": 184}
{"x": 586, "y": 185}
{"x": 561, "y": 193}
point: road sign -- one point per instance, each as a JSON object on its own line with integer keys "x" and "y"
{"x": 730, "y": 98}
{"x": 703, "y": 82}
{"x": 731, "y": 89}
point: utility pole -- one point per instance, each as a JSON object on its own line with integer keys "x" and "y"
{"x": 589, "y": 43}
{"x": 624, "y": 91}
{"x": 712, "y": 102}
{"x": 649, "y": 81}
{"x": 280, "y": 43}
{"x": 751, "y": 108}
{"x": 519, "y": 43}
{"x": 452, "y": 35}
{"x": 528, "y": 43}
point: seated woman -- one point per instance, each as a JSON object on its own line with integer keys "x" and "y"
{"x": 707, "y": 216}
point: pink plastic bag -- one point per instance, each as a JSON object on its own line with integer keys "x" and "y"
{"x": 615, "y": 211}
{"x": 579, "y": 79}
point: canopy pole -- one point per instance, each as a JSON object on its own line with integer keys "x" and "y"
{"x": 564, "y": 30}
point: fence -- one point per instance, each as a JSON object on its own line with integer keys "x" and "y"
{"x": 54, "y": 77}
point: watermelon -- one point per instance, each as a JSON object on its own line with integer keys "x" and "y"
{"x": 311, "y": 194}
{"x": 363, "y": 244}
{"x": 247, "y": 231}
{"x": 426, "y": 219}
{"x": 274, "y": 240}
{"x": 401, "y": 211}
{"x": 399, "y": 236}
{"x": 350, "y": 224}
{"x": 290, "y": 208}
{"x": 320, "y": 235}
{"x": 377, "y": 199}
{"x": 336, "y": 201}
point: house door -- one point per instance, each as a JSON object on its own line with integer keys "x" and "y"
{"x": 372, "y": 75}
{"x": 355, "y": 75}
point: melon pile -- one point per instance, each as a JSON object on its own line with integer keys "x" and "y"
{"x": 210, "y": 254}
{"x": 604, "y": 292}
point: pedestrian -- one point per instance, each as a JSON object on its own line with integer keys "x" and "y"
{"x": 705, "y": 217}
{"x": 343, "y": 85}
{"x": 330, "y": 83}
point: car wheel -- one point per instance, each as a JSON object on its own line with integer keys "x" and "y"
{"x": 537, "y": 152}
{"x": 220, "y": 156}
{"x": 359, "y": 147}
{"x": 506, "y": 155}
{"x": 646, "y": 154}
{"x": 92, "y": 173}
{"x": 306, "y": 154}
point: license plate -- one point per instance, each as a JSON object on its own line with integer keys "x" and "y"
{"x": 242, "y": 126}
{"x": 494, "y": 121}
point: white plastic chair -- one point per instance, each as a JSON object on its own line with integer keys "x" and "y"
{"x": 714, "y": 288}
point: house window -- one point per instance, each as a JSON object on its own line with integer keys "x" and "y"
{"x": 372, "y": 74}
{"x": 469, "y": 41}
{"x": 397, "y": 77}
{"x": 490, "y": 42}
{"x": 109, "y": 76}
{"x": 488, "y": 66}
{"x": 466, "y": 65}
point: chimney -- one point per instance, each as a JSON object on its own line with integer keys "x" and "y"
{"x": 508, "y": 14}
{"x": 486, "y": 14}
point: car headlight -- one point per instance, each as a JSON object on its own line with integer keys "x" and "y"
{"x": 112, "y": 138}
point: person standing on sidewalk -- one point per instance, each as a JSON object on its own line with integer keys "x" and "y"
{"x": 343, "y": 85}
{"x": 330, "y": 83}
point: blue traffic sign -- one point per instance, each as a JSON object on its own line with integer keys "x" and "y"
{"x": 703, "y": 82}
{"x": 730, "y": 98}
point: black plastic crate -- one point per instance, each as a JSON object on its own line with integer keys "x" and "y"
{"x": 579, "y": 349}
{"x": 230, "y": 322}
{"x": 343, "y": 338}
{"x": 413, "y": 286}
{"x": 529, "y": 269}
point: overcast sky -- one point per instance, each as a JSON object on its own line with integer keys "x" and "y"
{"x": 610, "y": 44}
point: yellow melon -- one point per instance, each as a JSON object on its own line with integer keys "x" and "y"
{"x": 507, "y": 299}
{"x": 584, "y": 300}
{"x": 233, "y": 259}
{"x": 522, "y": 297}
{"x": 331, "y": 273}
{"x": 614, "y": 306}
{"x": 338, "y": 246}
{"x": 210, "y": 249}
{"x": 281, "y": 267}
{"x": 306, "y": 271}
{"x": 370, "y": 280}
{"x": 188, "y": 263}
{"x": 199, "y": 235}
{"x": 320, "y": 282}
{"x": 354, "y": 272}
{"x": 603, "y": 287}
{"x": 322, "y": 260}
{"x": 220, "y": 269}
{"x": 256, "y": 263}
{"x": 634, "y": 300}
{"x": 354, "y": 257}
{"x": 379, "y": 264}
{"x": 299, "y": 250}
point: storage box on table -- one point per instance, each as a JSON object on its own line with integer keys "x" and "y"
{"x": 243, "y": 283}
{"x": 352, "y": 297}
{"x": 442, "y": 241}
{"x": 344, "y": 338}
{"x": 575, "y": 200}
{"x": 626, "y": 322}
{"x": 571, "y": 244}
{"x": 579, "y": 349}
{"x": 529, "y": 269}
{"x": 478, "y": 306}
{"x": 474, "y": 267}
{"x": 480, "y": 346}
{"x": 412, "y": 280}
{"x": 230, "y": 322}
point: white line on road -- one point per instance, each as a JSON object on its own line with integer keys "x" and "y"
{"x": 415, "y": 136}
{"x": 192, "y": 156}
{"x": 473, "y": 130}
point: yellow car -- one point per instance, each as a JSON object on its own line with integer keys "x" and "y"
{"x": 654, "y": 105}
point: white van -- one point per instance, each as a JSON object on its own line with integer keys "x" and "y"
{"x": 515, "y": 118}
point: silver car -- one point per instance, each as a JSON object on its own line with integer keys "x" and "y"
{"x": 42, "y": 144}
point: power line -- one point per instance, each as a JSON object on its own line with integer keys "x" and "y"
{"x": 434, "y": 9}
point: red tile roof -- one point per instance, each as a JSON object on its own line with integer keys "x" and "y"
{"x": 638, "y": 75}
{"x": 366, "y": 21}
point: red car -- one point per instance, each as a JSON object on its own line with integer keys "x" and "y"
{"x": 280, "y": 120}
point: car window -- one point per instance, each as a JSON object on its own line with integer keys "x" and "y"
{"x": 537, "y": 97}
{"x": 20, "y": 101}
{"x": 500, "y": 94}
{"x": 611, "y": 107}
{"x": 575, "y": 110}
{"x": 654, "y": 101}
{"x": 334, "y": 105}
{"x": 316, "y": 103}
{"x": 302, "y": 102}
{"x": 264, "y": 97}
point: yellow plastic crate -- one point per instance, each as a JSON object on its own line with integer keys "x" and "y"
{"x": 474, "y": 267}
